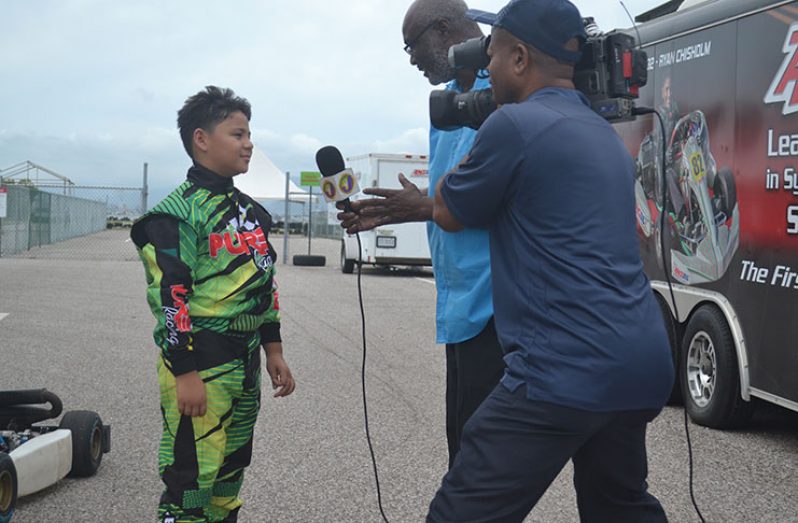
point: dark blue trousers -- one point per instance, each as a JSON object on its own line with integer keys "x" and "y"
{"x": 513, "y": 448}
{"x": 473, "y": 369}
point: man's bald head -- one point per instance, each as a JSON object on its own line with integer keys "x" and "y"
{"x": 425, "y": 11}
{"x": 432, "y": 26}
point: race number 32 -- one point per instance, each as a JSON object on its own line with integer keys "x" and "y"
{"x": 792, "y": 219}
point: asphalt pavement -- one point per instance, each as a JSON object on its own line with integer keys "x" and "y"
{"x": 82, "y": 329}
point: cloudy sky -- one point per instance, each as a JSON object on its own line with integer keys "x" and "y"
{"x": 90, "y": 88}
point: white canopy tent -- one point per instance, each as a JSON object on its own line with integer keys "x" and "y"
{"x": 264, "y": 181}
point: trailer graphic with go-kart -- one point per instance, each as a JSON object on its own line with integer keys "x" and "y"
{"x": 699, "y": 218}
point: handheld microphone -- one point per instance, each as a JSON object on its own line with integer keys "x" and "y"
{"x": 338, "y": 183}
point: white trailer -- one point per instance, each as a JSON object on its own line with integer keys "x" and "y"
{"x": 399, "y": 244}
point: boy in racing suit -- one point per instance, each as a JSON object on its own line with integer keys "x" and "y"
{"x": 209, "y": 268}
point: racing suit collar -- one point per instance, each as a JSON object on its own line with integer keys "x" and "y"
{"x": 208, "y": 179}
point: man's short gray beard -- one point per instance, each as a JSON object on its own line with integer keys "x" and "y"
{"x": 440, "y": 71}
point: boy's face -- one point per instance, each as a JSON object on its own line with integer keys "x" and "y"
{"x": 227, "y": 149}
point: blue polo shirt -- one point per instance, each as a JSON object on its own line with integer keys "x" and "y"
{"x": 461, "y": 261}
{"x": 574, "y": 312}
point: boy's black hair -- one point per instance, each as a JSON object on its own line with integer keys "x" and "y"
{"x": 206, "y": 109}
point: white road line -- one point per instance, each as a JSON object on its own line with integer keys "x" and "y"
{"x": 3, "y": 315}
{"x": 425, "y": 280}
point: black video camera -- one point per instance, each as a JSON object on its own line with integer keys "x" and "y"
{"x": 610, "y": 74}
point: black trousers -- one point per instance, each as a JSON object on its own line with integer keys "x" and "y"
{"x": 513, "y": 448}
{"x": 473, "y": 368}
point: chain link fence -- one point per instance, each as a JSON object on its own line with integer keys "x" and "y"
{"x": 318, "y": 218}
{"x": 67, "y": 222}
{"x": 93, "y": 222}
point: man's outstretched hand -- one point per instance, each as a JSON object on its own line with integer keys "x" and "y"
{"x": 407, "y": 204}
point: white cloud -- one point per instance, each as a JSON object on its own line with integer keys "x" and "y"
{"x": 412, "y": 141}
{"x": 153, "y": 139}
{"x": 306, "y": 144}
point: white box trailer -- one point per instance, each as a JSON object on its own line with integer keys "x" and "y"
{"x": 399, "y": 244}
{"x": 724, "y": 76}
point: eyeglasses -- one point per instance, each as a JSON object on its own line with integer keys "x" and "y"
{"x": 409, "y": 45}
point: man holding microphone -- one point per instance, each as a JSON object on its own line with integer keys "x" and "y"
{"x": 588, "y": 362}
{"x": 464, "y": 312}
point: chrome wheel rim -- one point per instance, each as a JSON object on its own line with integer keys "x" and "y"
{"x": 701, "y": 369}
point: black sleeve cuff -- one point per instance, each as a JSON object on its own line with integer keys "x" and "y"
{"x": 270, "y": 332}
{"x": 182, "y": 362}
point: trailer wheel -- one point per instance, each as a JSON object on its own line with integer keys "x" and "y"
{"x": 347, "y": 265}
{"x": 87, "y": 441}
{"x": 308, "y": 260}
{"x": 672, "y": 328}
{"x": 725, "y": 190}
{"x": 709, "y": 374}
{"x": 8, "y": 487}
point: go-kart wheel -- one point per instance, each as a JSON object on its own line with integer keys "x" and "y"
{"x": 8, "y": 487}
{"x": 676, "y": 200}
{"x": 725, "y": 191}
{"x": 87, "y": 441}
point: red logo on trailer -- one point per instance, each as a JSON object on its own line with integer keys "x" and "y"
{"x": 784, "y": 87}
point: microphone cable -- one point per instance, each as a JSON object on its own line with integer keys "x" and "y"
{"x": 363, "y": 376}
{"x": 665, "y": 265}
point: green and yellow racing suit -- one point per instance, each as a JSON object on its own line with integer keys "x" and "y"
{"x": 210, "y": 284}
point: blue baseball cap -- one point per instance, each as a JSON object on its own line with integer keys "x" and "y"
{"x": 545, "y": 24}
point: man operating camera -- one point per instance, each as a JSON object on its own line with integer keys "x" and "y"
{"x": 588, "y": 362}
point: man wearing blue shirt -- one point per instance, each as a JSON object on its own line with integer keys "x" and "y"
{"x": 588, "y": 363}
{"x": 461, "y": 261}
